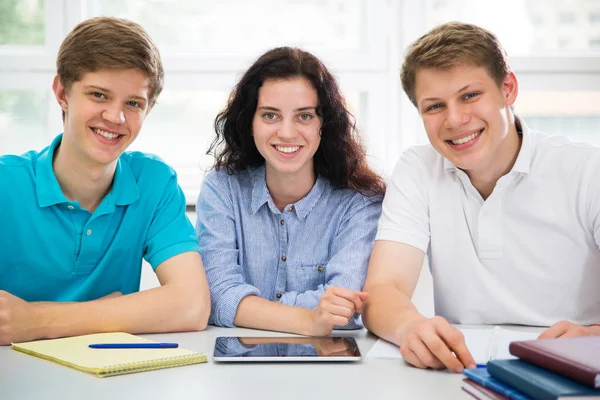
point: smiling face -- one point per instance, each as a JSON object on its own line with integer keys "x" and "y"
{"x": 286, "y": 127}
{"x": 104, "y": 112}
{"x": 467, "y": 117}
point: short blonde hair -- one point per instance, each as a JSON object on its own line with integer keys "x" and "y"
{"x": 451, "y": 45}
{"x": 113, "y": 43}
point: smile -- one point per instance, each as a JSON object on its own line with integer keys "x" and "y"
{"x": 465, "y": 139}
{"x": 287, "y": 149}
{"x": 106, "y": 135}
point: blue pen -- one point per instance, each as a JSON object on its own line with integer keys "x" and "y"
{"x": 134, "y": 345}
{"x": 481, "y": 365}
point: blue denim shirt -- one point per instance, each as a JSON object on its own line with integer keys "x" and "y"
{"x": 249, "y": 247}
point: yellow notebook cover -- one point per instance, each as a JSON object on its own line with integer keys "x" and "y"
{"x": 74, "y": 352}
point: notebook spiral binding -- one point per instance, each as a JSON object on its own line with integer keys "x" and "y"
{"x": 120, "y": 369}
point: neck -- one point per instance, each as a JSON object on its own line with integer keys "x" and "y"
{"x": 80, "y": 181}
{"x": 485, "y": 180}
{"x": 288, "y": 189}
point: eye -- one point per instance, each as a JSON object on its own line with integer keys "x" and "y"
{"x": 433, "y": 107}
{"x": 305, "y": 117}
{"x": 470, "y": 96}
{"x": 269, "y": 116}
{"x": 134, "y": 104}
{"x": 98, "y": 95}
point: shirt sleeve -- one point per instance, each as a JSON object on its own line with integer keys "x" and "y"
{"x": 217, "y": 235}
{"x": 350, "y": 251}
{"x": 170, "y": 232}
{"x": 405, "y": 211}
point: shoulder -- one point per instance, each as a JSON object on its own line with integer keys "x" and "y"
{"x": 552, "y": 152}
{"x": 353, "y": 200}
{"x": 17, "y": 166}
{"x": 418, "y": 163}
{"x": 147, "y": 164}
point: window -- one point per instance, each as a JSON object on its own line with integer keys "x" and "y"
{"x": 206, "y": 45}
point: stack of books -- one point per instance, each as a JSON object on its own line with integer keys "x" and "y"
{"x": 547, "y": 369}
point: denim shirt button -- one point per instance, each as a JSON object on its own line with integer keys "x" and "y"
{"x": 320, "y": 268}
{"x": 278, "y": 295}
{"x": 283, "y": 258}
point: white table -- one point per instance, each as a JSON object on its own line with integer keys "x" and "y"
{"x": 23, "y": 377}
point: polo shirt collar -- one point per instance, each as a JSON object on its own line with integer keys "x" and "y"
{"x": 261, "y": 195}
{"x": 523, "y": 162}
{"x": 124, "y": 189}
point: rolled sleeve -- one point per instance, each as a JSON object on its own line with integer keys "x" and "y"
{"x": 215, "y": 227}
{"x": 350, "y": 251}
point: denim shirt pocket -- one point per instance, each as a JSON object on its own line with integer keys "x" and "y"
{"x": 303, "y": 277}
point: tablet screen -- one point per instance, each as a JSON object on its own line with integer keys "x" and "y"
{"x": 232, "y": 348}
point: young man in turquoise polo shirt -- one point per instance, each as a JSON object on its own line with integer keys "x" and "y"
{"x": 77, "y": 218}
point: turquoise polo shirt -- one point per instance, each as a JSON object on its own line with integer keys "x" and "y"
{"x": 53, "y": 250}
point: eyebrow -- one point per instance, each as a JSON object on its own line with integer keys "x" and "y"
{"x": 267, "y": 108}
{"x": 109, "y": 92}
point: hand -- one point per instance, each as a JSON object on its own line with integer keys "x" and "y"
{"x": 434, "y": 343}
{"x": 17, "y": 319}
{"x": 566, "y": 329}
{"x": 336, "y": 307}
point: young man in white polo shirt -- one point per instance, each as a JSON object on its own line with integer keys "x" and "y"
{"x": 510, "y": 218}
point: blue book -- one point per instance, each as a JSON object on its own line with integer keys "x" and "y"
{"x": 538, "y": 382}
{"x": 481, "y": 376}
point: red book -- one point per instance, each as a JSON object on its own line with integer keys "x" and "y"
{"x": 480, "y": 392}
{"x": 575, "y": 358}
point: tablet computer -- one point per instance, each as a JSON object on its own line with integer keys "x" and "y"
{"x": 276, "y": 349}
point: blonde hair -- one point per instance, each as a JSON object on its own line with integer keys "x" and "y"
{"x": 105, "y": 42}
{"x": 450, "y": 45}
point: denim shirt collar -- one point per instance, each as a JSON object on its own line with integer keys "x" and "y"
{"x": 124, "y": 190}
{"x": 261, "y": 195}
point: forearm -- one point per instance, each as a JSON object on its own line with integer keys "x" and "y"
{"x": 388, "y": 311}
{"x": 168, "y": 308}
{"x": 258, "y": 313}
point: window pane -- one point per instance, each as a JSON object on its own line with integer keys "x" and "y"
{"x": 244, "y": 27}
{"x": 528, "y": 27}
{"x": 21, "y": 22}
{"x": 575, "y": 114}
{"x": 23, "y": 121}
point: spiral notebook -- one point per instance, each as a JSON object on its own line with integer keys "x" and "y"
{"x": 74, "y": 352}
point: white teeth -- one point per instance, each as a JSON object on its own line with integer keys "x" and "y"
{"x": 106, "y": 135}
{"x": 287, "y": 149}
{"x": 466, "y": 138}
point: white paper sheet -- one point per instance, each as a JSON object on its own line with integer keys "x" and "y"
{"x": 484, "y": 344}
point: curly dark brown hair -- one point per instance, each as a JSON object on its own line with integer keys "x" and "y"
{"x": 340, "y": 158}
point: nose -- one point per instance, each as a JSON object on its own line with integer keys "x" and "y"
{"x": 456, "y": 116}
{"x": 287, "y": 130}
{"x": 114, "y": 113}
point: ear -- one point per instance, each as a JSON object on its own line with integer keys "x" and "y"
{"x": 510, "y": 88}
{"x": 60, "y": 93}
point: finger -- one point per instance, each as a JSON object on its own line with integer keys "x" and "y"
{"x": 424, "y": 354}
{"x": 555, "y": 331}
{"x": 351, "y": 295}
{"x": 438, "y": 347}
{"x": 340, "y": 311}
{"x": 363, "y": 296}
{"x": 340, "y": 301}
{"x": 455, "y": 341}
{"x": 337, "y": 320}
{"x": 411, "y": 358}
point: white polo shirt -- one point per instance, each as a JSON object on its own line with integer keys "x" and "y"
{"x": 529, "y": 254}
